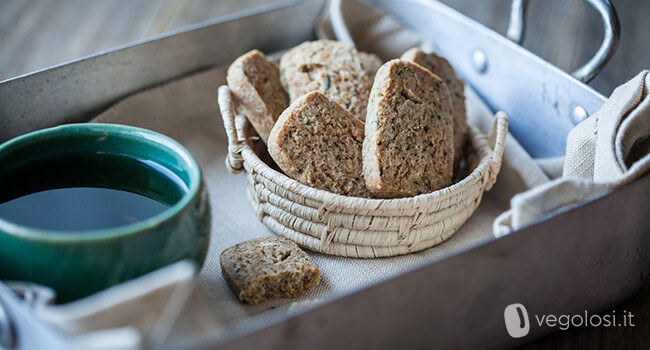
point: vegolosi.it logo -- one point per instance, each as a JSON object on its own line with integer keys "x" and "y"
{"x": 518, "y": 322}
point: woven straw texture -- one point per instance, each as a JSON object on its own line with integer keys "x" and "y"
{"x": 359, "y": 227}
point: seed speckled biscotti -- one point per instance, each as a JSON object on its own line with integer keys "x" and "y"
{"x": 330, "y": 67}
{"x": 370, "y": 62}
{"x": 408, "y": 147}
{"x": 318, "y": 142}
{"x": 442, "y": 68}
{"x": 268, "y": 268}
{"x": 254, "y": 80}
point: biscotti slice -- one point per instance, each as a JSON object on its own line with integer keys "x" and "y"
{"x": 318, "y": 143}
{"x": 408, "y": 147}
{"x": 370, "y": 62}
{"x": 330, "y": 67}
{"x": 442, "y": 68}
{"x": 268, "y": 268}
{"x": 254, "y": 80}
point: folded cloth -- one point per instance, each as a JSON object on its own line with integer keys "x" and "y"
{"x": 149, "y": 311}
{"x": 606, "y": 151}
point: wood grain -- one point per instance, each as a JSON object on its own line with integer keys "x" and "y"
{"x": 36, "y": 34}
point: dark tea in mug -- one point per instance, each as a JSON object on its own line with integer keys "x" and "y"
{"x": 87, "y": 191}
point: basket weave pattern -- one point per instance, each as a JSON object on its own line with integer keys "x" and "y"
{"x": 359, "y": 227}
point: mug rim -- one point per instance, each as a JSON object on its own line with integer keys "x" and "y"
{"x": 140, "y": 135}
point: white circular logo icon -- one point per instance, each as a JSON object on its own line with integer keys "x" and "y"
{"x": 517, "y": 322}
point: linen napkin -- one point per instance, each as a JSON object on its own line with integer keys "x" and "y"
{"x": 158, "y": 308}
{"x": 607, "y": 150}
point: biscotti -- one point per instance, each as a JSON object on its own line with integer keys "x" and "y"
{"x": 318, "y": 143}
{"x": 254, "y": 80}
{"x": 370, "y": 62}
{"x": 442, "y": 68}
{"x": 330, "y": 67}
{"x": 408, "y": 147}
{"x": 268, "y": 268}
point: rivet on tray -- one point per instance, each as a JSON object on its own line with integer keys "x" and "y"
{"x": 479, "y": 59}
{"x": 578, "y": 114}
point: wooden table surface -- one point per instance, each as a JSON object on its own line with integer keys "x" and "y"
{"x": 36, "y": 34}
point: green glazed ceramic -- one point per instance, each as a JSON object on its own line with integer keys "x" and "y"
{"x": 82, "y": 263}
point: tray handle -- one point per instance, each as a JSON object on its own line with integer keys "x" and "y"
{"x": 234, "y": 159}
{"x": 612, "y": 32}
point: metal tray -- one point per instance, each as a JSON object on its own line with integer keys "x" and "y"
{"x": 575, "y": 260}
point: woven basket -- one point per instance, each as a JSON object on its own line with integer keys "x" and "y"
{"x": 359, "y": 227}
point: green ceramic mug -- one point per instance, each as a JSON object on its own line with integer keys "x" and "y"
{"x": 81, "y": 261}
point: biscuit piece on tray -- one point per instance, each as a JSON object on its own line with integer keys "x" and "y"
{"x": 254, "y": 80}
{"x": 332, "y": 68}
{"x": 408, "y": 147}
{"x": 268, "y": 268}
{"x": 442, "y": 68}
{"x": 318, "y": 142}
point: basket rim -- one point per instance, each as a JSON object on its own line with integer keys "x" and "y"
{"x": 481, "y": 170}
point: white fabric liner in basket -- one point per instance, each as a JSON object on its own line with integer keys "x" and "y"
{"x": 352, "y": 226}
